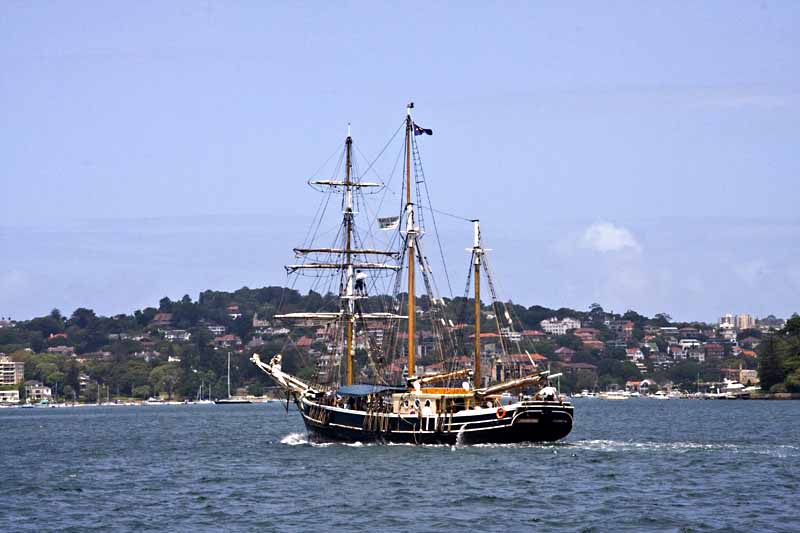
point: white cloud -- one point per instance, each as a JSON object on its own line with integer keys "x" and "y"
{"x": 606, "y": 237}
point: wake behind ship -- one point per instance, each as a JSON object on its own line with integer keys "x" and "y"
{"x": 457, "y": 403}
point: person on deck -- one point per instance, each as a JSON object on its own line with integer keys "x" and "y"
{"x": 548, "y": 393}
{"x": 361, "y": 283}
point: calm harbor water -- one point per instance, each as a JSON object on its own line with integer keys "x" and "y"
{"x": 636, "y": 465}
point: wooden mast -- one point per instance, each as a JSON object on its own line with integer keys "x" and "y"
{"x": 410, "y": 238}
{"x": 476, "y": 255}
{"x": 348, "y": 221}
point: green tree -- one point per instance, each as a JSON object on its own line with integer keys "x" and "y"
{"x": 792, "y": 326}
{"x": 585, "y": 380}
{"x": 83, "y": 318}
{"x": 662, "y": 320}
{"x": 770, "y": 363}
{"x": 165, "y": 377}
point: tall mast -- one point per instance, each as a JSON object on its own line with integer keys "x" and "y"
{"x": 410, "y": 238}
{"x": 477, "y": 251}
{"x": 349, "y": 316}
{"x": 229, "y": 375}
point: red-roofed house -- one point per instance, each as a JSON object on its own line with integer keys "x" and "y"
{"x": 304, "y": 342}
{"x": 517, "y": 365}
{"x": 161, "y": 319}
{"x": 565, "y": 354}
{"x": 534, "y": 334}
{"x": 586, "y": 334}
{"x": 594, "y": 345}
{"x": 227, "y": 341}
{"x": 714, "y": 350}
{"x": 574, "y": 368}
{"x": 634, "y": 354}
{"x": 676, "y": 352}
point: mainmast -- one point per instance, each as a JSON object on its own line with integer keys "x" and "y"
{"x": 349, "y": 316}
{"x": 477, "y": 252}
{"x": 410, "y": 238}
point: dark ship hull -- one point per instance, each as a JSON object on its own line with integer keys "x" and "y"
{"x": 527, "y": 421}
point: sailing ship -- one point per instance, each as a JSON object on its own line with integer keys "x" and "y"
{"x": 459, "y": 404}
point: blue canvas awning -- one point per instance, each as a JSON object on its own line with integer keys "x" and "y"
{"x": 365, "y": 389}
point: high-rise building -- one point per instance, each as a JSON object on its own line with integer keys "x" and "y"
{"x": 745, "y": 322}
{"x": 11, "y": 372}
{"x": 727, "y": 322}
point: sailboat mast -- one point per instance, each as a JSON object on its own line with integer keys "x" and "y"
{"x": 476, "y": 254}
{"x": 229, "y": 374}
{"x": 348, "y": 222}
{"x": 410, "y": 237}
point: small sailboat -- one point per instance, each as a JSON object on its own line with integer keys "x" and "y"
{"x": 231, "y": 399}
{"x": 200, "y": 398}
{"x": 456, "y": 404}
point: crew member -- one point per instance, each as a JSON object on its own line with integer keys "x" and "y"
{"x": 361, "y": 283}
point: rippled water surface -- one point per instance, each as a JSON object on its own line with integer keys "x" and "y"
{"x": 636, "y": 465}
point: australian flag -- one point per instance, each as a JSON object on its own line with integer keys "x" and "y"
{"x": 419, "y": 131}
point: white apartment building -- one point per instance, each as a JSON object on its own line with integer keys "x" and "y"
{"x": 11, "y": 372}
{"x": 554, "y": 326}
{"x": 726, "y": 321}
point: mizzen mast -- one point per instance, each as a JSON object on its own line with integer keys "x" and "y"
{"x": 477, "y": 253}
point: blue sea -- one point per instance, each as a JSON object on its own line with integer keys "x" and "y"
{"x": 636, "y": 465}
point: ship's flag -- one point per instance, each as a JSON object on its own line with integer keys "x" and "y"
{"x": 388, "y": 223}
{"x": 419, "y": 130}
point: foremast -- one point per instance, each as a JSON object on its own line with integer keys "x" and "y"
{"x": 348, "y": 247}
{"x": 349, "y": 314}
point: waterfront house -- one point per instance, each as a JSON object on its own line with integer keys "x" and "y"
{"x": 35, "y": 391}
{"x": 9, "y": 396}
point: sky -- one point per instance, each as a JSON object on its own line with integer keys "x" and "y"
{"x": 638, "y": 156}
